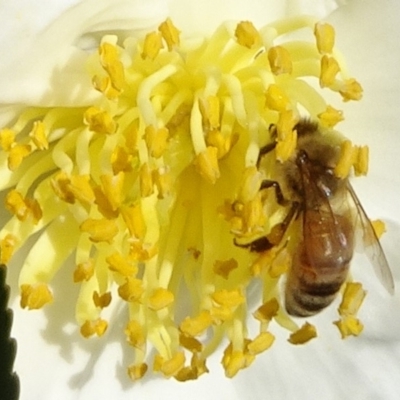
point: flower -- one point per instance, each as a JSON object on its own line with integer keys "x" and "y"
{"x": 100, "y": 209}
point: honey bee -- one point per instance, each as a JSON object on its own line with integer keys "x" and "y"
{"x": 326, "y": 214}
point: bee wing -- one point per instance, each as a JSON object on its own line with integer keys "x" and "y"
{"x": 372, "y": 247}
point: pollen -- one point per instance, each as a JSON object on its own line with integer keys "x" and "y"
{"x": 152, "y": 45}
{"x": 329, "y": 69}
{"x": 38, "y": 135}
{"x": 325, "y": 35}
{"x": 151, "y": 189}
{"x": 279, "y": 60}
{"x": 246, "y": 34}
{"x": 303, "y": 335}
{"x": 160, "y": 298}
{"x": 100, "y": 230}
{"x": 196, "y": 325}
{"x": 330, "y": 117}
{"x": 207, "y": 164}
{"x": 99, "y": 120}
{"x": 276, "y": 98}
{"x": 35, "y": 296}
{"x": 170, "y": 34}
{"x": 96, "y": 327}
{"x": 7, "y": 139}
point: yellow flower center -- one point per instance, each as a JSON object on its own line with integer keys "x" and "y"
{"x": 150, "y": 186}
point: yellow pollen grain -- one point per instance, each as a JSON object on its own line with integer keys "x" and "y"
{"x": 160, "y": 299}
{"x": 112, "y": 65}
{"x": 267, "y": 311}
{"x": 351, "y": 90}
{"x": 102, "y": 300}
{"x": 170, "y": 34}
{"x": 228, "y": 298}
{"x": 38, "y": 135}
{"x": 118, "y": 263}
{"x": 99, "y": 121}
{"x": 80, "y": 188}
{"x": 303, "y": 335}
{"x": 206, "y": 164}
{"x": 84, "y": 271}
{"x": 361, "y": 163}
{"x": 99, "y": 230}
{"x": 190, "y": 343}
{"x": 121, "y": 160}
{"x": 162, "y": 180}
{"x": 224, "y": 268}
{"x": 330, "y": 117}
{"x": 284, "y": 149}
{"x": 279, "y": 60}
{"x": 136, "y": 372}
{"x": 329, "y": 69}
{"x": 145, "y": 181}
{"x": 193, "y": 326}
{"x": 276, "y": 99}
{"x": 17, "y": 154}
{"x": 7, "y": 139}
{"x": 156, "y": 140}
{"x": 152, "y": 45}
{"x": 325, "y": 37}
{"x": 35, "y": 296}
{"x": 7, "y": 247}
{"x": 353, "y": 297}
{"x": 379, "y": 227}
{"x": 61, "y": 185}
{"x": 347, "y": 157}
{"x": 246, "y": 34}
{"x": 172, "y": 366}
{"x": 133, "y": 217}
{"x": 131, "y": 290}
{"x": 135, "y": 334}
{"x": 349, "y": 326}
{"x": 15, "y": 203}
{"x": 95, "y": 327}
{"x": 113, "y": 186}
{"x": 261, "y": 343}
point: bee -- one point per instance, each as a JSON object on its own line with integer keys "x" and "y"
{"x": 326, "y": 215}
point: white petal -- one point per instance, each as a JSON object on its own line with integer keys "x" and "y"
{"x": 45, "y": 59}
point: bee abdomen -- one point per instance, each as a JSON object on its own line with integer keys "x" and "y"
{"x": 303, "y": 299}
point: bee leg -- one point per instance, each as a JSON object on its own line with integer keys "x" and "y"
{"x": 265, "y": 150}
{"x": 266, "y": 184}
{"x": 257, "y": 246}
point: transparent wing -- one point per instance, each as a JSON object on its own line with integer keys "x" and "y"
{"x": 372, "y": 247}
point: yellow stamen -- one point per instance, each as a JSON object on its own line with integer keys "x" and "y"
{"x": 118, "y": 263}
{"x": 261, "y": 343}
{"x": 132, "y": 289}
{"x": 325, "y": 35}
{"x": 303, "y": 335}
{"x": 349, "y": 325}
{"x": 7, "y": 139}
{"x": 330, "y": 117}
{"x": 276, "y": 99}
{"x": 17, "y": 154}
{"x": 279, "y": 60}
{"x": 38, "y": 135}
{"x": 156, "y": 140}
{"x": 136, "y": 372}
{"x": 353, "y": 297}
{"x": 135, "y": 334}
{"x": 103, "y": 300}
{"x": 99, "y": 121}
{"x": 84, "y": 271}
{"x": 224, "y": 268}
{"x": 329, "y": 69}
{"x": 170, "y": 34}
{"x": 35, "y": 296}
{"x": 100, "y": 230}
{"x": 160, "y": 299}
{"x": 246, "y": 34}
{"x": 152, "y": 45}
{"x": 207, "y": 164}
{"x": 96, "y": 327}
{"x": 196, "y": 325}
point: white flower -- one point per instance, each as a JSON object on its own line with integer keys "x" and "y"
{"x": 53, "y": 362}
